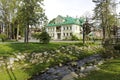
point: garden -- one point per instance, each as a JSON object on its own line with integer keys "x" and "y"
{"x": 18, "y": 50}
{"x": 20, "y": 61}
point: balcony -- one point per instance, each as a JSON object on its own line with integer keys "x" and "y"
{"x": 58, "y": 29}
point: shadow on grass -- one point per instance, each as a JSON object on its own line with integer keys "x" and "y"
{"x": 9, "y": 71}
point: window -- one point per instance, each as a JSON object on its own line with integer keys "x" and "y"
{"x": 67, "y": 28}
{"x": 63, "y": 28}
{"x": 70, "y": 28}
{"x": 70, "y": 34}
{"x": 67, "y": 34}
{"x": 63, "y": 34}
{"x": 58, "y": 29}
{"x": 52, "y": 29}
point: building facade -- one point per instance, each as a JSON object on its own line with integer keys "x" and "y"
{"x": 61, "y": 28}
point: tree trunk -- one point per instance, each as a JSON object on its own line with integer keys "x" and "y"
{"x": 26, "y": 39}
{"x": 10, "y": 31}
{"x": 25, "y": 34}
{"x": 17, "y": 36}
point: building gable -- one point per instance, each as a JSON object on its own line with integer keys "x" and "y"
{"x": 59, "y": 21}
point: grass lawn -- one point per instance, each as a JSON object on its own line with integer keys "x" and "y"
{"x": 20, "y": 71}
{"x": 110, "y": 70}
{"x": 8, "y": 49}
{"x": 23, "y": 72}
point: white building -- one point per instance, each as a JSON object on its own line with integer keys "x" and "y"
{"x": 61, "y": 28}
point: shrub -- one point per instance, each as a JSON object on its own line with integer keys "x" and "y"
{"x": 73, "y": 37}
{"x": 36, "y": 35}
{"x": 44, "y": 37}
{"x": 3, "y": 37}
{"x": 117, "y": 47}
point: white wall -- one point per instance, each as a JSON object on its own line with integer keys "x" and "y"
{"x": 66, "y": 31}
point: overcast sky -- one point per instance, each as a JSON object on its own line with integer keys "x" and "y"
{"x": 73, "y": 8}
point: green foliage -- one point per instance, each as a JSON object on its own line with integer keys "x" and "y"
{"x": 108, "y": 18}
{"x": 8, "y": 15}
{"x": 30, "y": 13}
{"x": 111, "y": 51}
{"x": 39, "y": 67}
{"x": 3, "y": 37}
{"x": 117, "y": 47}
{"x": 44, "y": 37}
{"x": 36, "y": 35}
{"x": 18, "y": 17}
{"x": 74, "y": 38}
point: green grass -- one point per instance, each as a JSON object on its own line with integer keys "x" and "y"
{"x": 110, "y": 70}
{"x": 17, "y": 73}
{"x": 24, "y": 72}
{"x": 8, "y": 49}
{"x": 21, "y": 72}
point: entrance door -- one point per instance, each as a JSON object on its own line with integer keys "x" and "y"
{"x": 58, "y": 35}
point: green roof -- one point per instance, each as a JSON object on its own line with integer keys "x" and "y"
{"x": 66, "y": 21}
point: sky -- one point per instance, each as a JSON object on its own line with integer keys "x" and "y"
{"x": 73, "y": 8}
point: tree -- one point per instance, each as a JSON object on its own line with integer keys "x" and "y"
{"x": 8, "y": 9}
{"x": 4, "y": 10}
{"x": 14, "y": 21}
{"x": 29, "y": 14}
{"x": 103, "y": 13}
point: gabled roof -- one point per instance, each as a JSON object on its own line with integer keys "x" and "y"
{"x": 65, "y": 21}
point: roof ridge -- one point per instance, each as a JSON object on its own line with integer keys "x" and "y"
{"x": 68, "y": 20}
